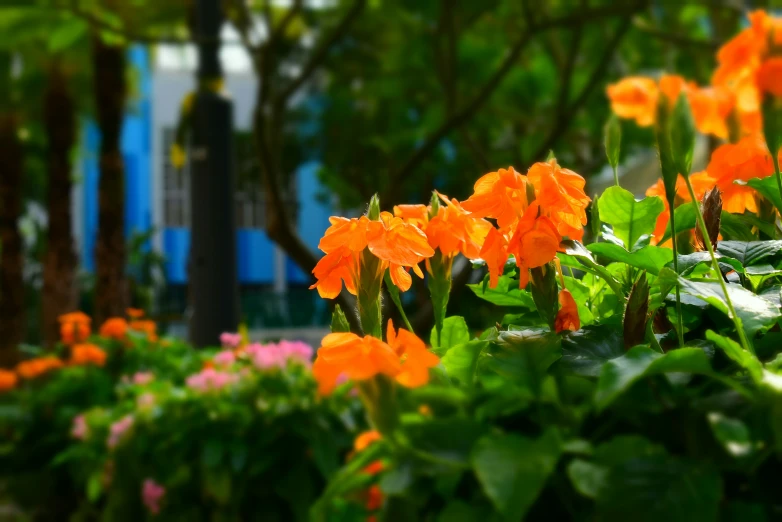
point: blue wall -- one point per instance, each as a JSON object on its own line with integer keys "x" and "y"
{"x": 255, "y": 251}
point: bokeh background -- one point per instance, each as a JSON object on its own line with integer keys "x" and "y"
{"x": 105, "y": 114}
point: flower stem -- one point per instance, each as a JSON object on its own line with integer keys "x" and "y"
{"x": 616, "y": 175}
{"x": 679, "y": 319}
{"x": 707, "y": 240}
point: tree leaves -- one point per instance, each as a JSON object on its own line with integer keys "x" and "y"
{"x": 630, "y": 219}
{"x": 512, "y": 469}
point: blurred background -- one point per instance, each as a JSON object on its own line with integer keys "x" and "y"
{"x": 183, "y": 156}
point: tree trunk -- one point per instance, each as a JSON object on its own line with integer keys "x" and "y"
{"x": 110, "y": 90}
{"x": 12, "y": 303}
{"x": 59, "y": 266}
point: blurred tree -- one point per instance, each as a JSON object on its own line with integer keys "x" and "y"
{"x": 415, "y": 95}
{"x": 12, "y": 309}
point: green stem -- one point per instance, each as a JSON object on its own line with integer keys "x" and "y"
{"x": 707, "y": 240}
{"x": 393, "y": 291}
{"x": 616, "y": 175}
{"x": 778, "y": 175}
{"x": 368, "y": 299}
{"x": 679, "y": 320}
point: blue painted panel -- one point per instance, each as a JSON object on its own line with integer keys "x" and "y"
{"x": 176, "y": 245}
{"x": 313, "y": 216}
{"x": 255, "y": 254}
{"x": 90, "y": 190}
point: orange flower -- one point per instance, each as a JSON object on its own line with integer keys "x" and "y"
{"x": 74, "y": 327}
{"x": 135, "y": 313}
{"x": 495, "y": 253}
{"x": 635, "y": 98}
{"x": 711, "y": 107}
{"x": 560, "y": 194}
{"x": 534, "y": 243}
{"x": 455, "y": 230}
{"x": 8, "y": 380}
{"x": 417, "y": 215}
{"x": 671, "y": 86}
{"x": 38, "y": 366}
{"x": 365, "y": 438}
{"x": 84, "y": 354}
{"x": 501, "y": 195}
{"x": 374, "y": 498}
{"x": 114, "y": 328}
{"x": 701, "y": 182}
{"x": 358, "y": 358}
{"x": 769, "y": 76}
{"x": 146, "y": 326}
{"x": 396, "y": 243}
{"x": 747, "y": 159}
{"x": 567, "y": 316}
{"x": 416, "y": 358}
{"x": 374, "y": 467}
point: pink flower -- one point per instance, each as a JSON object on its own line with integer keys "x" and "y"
{"x": 142, "y": 378}
{"x": 268, "y": 356}
{"x": 230, "y": 340}
{"x": 224, "y": 358}
{"x": 79, "y": 429}
{"x": 118, "y": 430}
{"x": 210, "y": 379}
{"x": 145, "y": 400}
{"x": 151, "y": 494}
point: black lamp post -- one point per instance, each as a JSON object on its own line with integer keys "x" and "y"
{"x": 212, "y": 264}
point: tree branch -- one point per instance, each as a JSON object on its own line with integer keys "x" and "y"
{"x": 279, "y": 31}
{"x": 564, "y": 118}
{"x": 678, "y": 39}
{"x": 466, "y": 113}
{"x": 322, "y": 52}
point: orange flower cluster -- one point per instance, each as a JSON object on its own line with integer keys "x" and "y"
{"x": 75, "y": 327}
{"x": 530, "y": 230}
{"x": 452, "y": 230}
{"x": 39, "y": 366}
{"x": 145, "y": 326}
{"x": 86, "y": 354}
{"x": 404, "y": 357}
{"x": 8, "y": 380}
{"x": 114, "y": 328}
{"x": 396, "y": 243}
{"x": 747, "y": 69}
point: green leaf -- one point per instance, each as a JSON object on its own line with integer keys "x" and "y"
{"x": 584, "y": 352}
{"x": 67, "y": 34}
{"x": 339, "y": 323}
{"x": 768, "y": 188}
{"x": 523, "y": 356}
{"x": 613, "y": 140}
{"x": 660, "y": 487}
{"x": 749, "y": 252}
{"x": 507, "y": 293}
{"x": 685, "y": 218}
{"x": 636, "y": 313}
{"x": 575, "y": 255}
{"x": 397, "y": 479}
{"x": 587, "y": 478}
{"x": 95, "y": 486}
{"x": 455, "y": 332}
{"x": 754, "y": 312}
{"x": 630, "y": 219}
{"x": 670, "y": 173}
{"x": 737, "y": 354}
{"x": 451, "y": 440}
{"x": 732, "y": 434}
{"x": 650, "y": 258}
{"x": 734, "y": 227}
{"x": 682, "y": 135}
{"x": 513, "y": 469}
{"x": 460, "y": 361}
{"x": 619, "y": 374}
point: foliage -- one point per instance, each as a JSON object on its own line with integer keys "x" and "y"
{"x": 258, "y": 446}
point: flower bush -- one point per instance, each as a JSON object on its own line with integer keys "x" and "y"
{"x": 125, "y": 426}
{"x": 635, "y": 377}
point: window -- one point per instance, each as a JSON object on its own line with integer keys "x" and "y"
{"x": 249, "y": 197}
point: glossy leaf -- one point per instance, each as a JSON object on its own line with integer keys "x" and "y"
{"x": 507, "y": 293}
{"x": 768, "y": 188}
{"x": 685, "y": 220}
{"x": 455, "y": 332}
{"x": 732, "y": 434}
{"x": 460, "y": 361}
{"x": 650, "y": 258}
{"x": 737, "y": 354}
{"x": 523, "y": 356}
{"x": 619, "y": 374}
{"x": 584, "y": 352}
{"x": 512, "y": 469}
{"x": 754, "y": 312}
{"x": 750, "y": 252}
{"x": 630, "y": 219}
